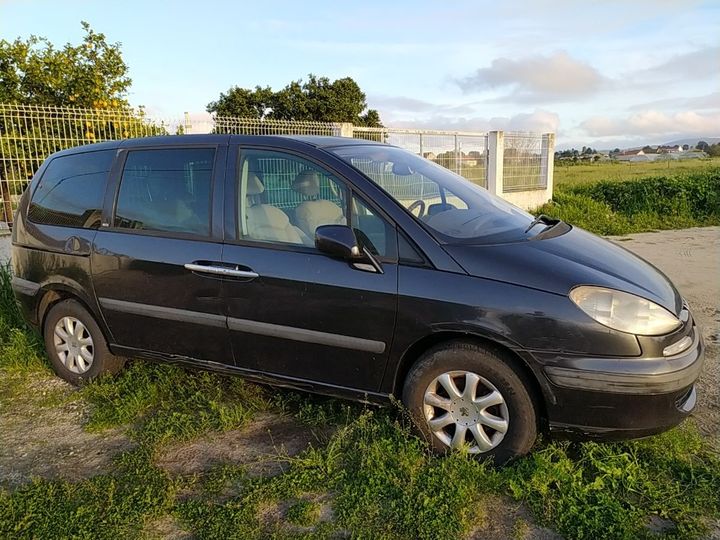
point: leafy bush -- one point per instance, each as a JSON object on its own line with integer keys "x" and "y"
{"x": 610, "y": 207}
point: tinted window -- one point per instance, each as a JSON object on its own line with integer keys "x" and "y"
{"x": 166, "y": 190}
{"x": 372, "y": 231}
{"x": 284, "y": 198}
{"x": 71, "y": 190}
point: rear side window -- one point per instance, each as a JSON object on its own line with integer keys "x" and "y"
{"x": 71, "y": 191}
{"x": 166, "y": 190}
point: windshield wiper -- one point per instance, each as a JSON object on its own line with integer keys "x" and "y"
{"x": 542, "y": 218}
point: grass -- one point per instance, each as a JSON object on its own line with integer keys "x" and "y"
{"x": 372, "y": 478}
{"x": 620, "y": 207}
{"x": 165, "y": 403}
{"x": 568, "y": 174}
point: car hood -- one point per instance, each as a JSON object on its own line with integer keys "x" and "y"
{"x": 558, "y": 264}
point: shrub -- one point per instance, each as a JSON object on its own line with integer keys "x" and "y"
{"x": 690, "y": 200}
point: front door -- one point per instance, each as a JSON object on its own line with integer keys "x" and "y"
{"x": 145, "y": 258}
{"x": 301, "y": 314}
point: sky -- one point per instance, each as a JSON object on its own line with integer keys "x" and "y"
{"x": 601, "y": 74}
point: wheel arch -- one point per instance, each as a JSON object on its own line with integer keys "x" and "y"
{"x": 539, "y": 393}
{"x": 52, "y": 294}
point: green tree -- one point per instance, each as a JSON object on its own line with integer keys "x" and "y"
{"x": 90, "y": 74}
{"x": 318, "y": 99}
{"x": 713, "y": 150}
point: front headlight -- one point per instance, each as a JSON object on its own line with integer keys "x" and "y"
{"x": 624, "y": 311}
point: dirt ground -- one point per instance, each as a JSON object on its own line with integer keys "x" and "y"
{"x": 4, "y": 246}
{"x": 691, "y": 259}
{"x": 50, "y": 442}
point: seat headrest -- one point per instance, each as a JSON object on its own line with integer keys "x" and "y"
{"x": 307, "y": 183}
{"x": 254, "y": 184}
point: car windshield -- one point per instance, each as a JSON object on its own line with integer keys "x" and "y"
{"x": 454, "y": 209}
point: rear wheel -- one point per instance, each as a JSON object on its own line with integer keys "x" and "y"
{"x": 461, "y": 394}
{"x": 75, "y": 345}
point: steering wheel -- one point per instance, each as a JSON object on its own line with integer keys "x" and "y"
{"x": 419, "y": 203}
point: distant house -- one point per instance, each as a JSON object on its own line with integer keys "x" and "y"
{"x": 631, "y": 155}
{"x": 667, "y": 149}
{"x": 596, "y": 156}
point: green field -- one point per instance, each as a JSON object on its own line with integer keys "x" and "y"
{"x": 571, "y": 174}
{"x": 615, "y": 199}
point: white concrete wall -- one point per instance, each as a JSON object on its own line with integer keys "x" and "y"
{"x": 527, "y": 200}
{"x": 4, "y": 247}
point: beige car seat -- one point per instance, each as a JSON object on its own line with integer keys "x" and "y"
{"x": 267, "y": 222}
{"x": 309, "y": 215}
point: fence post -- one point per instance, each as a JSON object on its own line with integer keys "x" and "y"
{"x": 458, "y": 160}
{"x": 187, "y": 126}
{"x": 547, "y": 162}
{"x": 345, "y": 129}
{"x": 496, "y": 152}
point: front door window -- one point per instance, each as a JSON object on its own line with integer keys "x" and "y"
{"x": 283, "y": 198}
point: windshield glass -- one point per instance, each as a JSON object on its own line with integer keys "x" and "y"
{"x": 451, "y": 207}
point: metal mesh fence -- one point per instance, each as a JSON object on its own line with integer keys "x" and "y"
{"x": 256, "y": 126}
{"x": 523, "y": 162}
{"x": 29, "y": 134}
{"x": 462, "y": 152}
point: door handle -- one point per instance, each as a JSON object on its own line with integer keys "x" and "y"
{"x": 221, "y": 270}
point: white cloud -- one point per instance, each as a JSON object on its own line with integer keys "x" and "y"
{"x": 654, "y": 123}
{"x": 556, "y": 77}
{"x": 699, "y": 64}
{"x": 539, "y": 121}
{"x": 413, "y": 105}
{"x": 707, "y": 101}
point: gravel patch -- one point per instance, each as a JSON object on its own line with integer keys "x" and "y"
{"x": 263, "y": 447}
{"x": 691, "y": 259}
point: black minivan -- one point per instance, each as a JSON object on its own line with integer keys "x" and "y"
{"x": 354, "y": 269}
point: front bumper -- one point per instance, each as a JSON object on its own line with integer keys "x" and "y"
{"x": 619, "y": 398}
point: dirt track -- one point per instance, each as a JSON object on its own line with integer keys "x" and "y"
{"x": 691, "y": 259}
{"x": 4, "y": 246}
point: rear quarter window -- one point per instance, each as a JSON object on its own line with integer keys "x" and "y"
{"x": 70, "y": 192}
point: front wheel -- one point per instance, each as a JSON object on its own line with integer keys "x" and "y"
{"x": 461, "y": 394}
{"x": 75, "y": 344}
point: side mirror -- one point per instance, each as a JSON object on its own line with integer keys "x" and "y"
{"x": 337, "y": 241}
{"x": 401, "y": 168}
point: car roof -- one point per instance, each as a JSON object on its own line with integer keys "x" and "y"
{"x": 321, "y": 141}
{"x": 318, "y": 141}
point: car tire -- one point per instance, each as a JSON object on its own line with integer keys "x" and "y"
{"x": 75, "y": 344}
{"x": 485, "y": 396}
